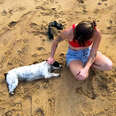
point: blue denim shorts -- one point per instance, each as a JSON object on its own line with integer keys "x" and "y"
{"x": 81, "y": 55}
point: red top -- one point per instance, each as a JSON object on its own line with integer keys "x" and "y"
{"x": 74, "y": 43}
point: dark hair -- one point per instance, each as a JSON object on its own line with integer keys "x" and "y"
{"x": 84, "y": 31}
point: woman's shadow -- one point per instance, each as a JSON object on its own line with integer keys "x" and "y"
{"x": 92, "y": 87}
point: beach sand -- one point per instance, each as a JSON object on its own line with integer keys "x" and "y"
{"x": 24, "y": 40}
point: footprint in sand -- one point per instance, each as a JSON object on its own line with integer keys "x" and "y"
{"x": 106, "y": 4}
{"x": 40, "y": 48}
{"x": 12, "y": 24}
{"x": 9, "y": 113}
{"x": 99, "y": 3}
{"x": 87, "y": 91}
{"x": 27, "y": 106}
{"x": 4, "y": 13}
{"x": 96, "y": 11}
{"x": 2, "y": 1}
{"x": 37, "y": 0}
{"x": 45, "y": 84}
{"x": 9, "y": 64}
{"x": 33, "y": 25}
{"x": 110, "y": 21}
{"x": 85, "y": 11}
{"x": 21, "y": 8}
{"x": 51, "y": 102}
{"x": 62, "y": 55}
{"x": 35, "y": 29}
{"x": 13, "y": 113}
{"x": 39, "y": 112}
{"x": 109, "y": 27}
{"x": 18, "y": 106}
{"x": 101, "y": 113}
{"x": 81, "y": 1}
{"x": 35, "y": 55}
{"x": 103, "y": 0}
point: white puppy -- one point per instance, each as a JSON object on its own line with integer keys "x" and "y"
{"x": 29, "y": 73}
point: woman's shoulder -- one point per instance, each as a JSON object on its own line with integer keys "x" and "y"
{"x": 67, "y": 32}
{"x": 97, "y": 32}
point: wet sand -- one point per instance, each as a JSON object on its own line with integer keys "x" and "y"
{"x": 24, "y": 40}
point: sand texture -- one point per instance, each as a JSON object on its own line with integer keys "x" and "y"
{"x": 24, "y": 40}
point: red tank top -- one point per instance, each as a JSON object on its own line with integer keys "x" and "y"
{"x": 76, "y": 44}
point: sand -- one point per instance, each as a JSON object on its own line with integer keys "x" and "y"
{"x": 24, "y": 40}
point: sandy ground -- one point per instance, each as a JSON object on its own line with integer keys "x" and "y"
{"x": 23, "y": 40}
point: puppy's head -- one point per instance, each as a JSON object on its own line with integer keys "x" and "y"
{"x": 56, "y": 65}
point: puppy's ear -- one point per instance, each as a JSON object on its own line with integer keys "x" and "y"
{"x": 55, "y": 64}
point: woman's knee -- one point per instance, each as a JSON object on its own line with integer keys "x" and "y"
{"x": 105, "y": 66}
{"x": 109, "y": 65}
{"x": 75, "y": 67}
{"x": 82, "y": 79}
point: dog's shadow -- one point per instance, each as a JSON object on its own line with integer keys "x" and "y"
{"x": 29, "y": 87}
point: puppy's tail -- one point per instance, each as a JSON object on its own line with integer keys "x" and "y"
{"x": 5, "y": 74}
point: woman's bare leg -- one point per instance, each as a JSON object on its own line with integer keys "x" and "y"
{"x": 102, "y": 62}
{"x": 75, "y": 67}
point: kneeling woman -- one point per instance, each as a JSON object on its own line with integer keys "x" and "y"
{"x": 84, "y": 39}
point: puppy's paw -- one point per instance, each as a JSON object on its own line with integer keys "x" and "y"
{"x": 57, "y": 75}
{"x": 11, "y": 93}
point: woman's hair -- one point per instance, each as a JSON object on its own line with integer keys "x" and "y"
{"x": 84, "y": 31}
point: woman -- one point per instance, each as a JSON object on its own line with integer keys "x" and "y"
{"x": 84, "y": 39}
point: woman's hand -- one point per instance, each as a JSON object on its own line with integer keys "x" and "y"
{"x": 82, "y": 74}
{"x": 50, "y": 60}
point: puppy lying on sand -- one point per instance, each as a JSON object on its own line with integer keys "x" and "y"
{"x": 30, "y": 73}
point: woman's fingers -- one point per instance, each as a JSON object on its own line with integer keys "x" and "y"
{"x": 50, "y": 60}
{"x": 80, "y": 76}
{"x": 77, "y": 75}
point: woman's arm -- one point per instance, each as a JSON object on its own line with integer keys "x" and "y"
{"x": 93, "y": 52}
{"x": 83, "y": 74}
{"x": 54, "y": 46}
